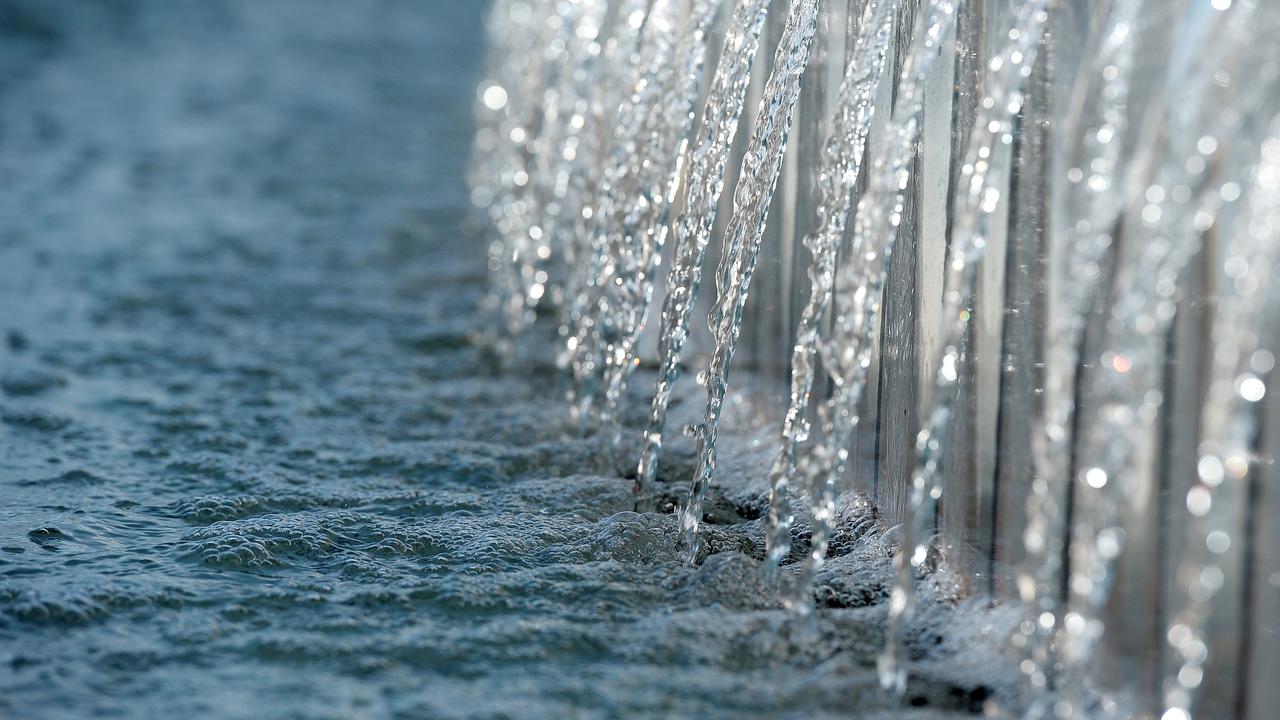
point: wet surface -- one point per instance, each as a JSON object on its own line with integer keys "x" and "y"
{"x": 250, "y": 465}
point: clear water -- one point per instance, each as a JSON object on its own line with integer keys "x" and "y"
{"x": 250, "y": 465}
{"x": 1074, "y": 212}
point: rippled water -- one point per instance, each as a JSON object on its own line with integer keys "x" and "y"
{"x": 250, "y": 465}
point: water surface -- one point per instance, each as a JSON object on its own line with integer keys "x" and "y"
{"x": 251, "y": 467}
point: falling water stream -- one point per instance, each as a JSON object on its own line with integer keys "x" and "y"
{"x": 1100, "y": 149}
{"x": 985, "y": 168}
{"x": 707, "y": 163}
{"x": 1159, "y": 163}
{"x": 838, "y": 175}
{"x": 751, "y": 198}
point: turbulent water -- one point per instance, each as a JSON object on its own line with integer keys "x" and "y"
{"x": 250, "y": 464}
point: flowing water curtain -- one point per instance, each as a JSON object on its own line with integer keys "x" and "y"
{"x": 983, "y": 178}
{"x": 859, "y": 282}
{"x": 708, "y": 161}
{"x": 1095, "y": 198}
{"x": 489, "y": 109}
{"x": 1244, "y": 355}
{"x": 607, "y": 83}
{"x": 838, "y": 173}
{"x": 630, "y": 171}
{"x": 572, "y": 31}
{"x": 1130, "y": 210}
{"x": 546, "y": 98}
{"x": 1192, "y": 179}
{"x": 857, "y": 286}
{"x": 761, "y": 165}
{"x": 491, "y": 101}
{"x": 484, "y": 172}
{"x": 1249, "y": 80}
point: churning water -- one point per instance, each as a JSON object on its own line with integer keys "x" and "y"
{"x": 250, "y": 465}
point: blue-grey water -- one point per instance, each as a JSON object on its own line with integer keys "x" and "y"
{"x": 250, "y": 464}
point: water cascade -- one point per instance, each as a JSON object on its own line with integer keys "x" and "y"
{"x": 1014, "y": 314}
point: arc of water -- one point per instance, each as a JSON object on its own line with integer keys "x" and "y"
{"x": 860, "y": 280}
{"x": 621, "y": 162}
{"x": 645, "y": 153}
{"x": 574, "y": 27}
{"x": 483, "y": 172}
{"x": 490, "y": 104}
{"x": 840, "y": 166}
{"x": 1228, "y": 416}
{"x": 613, "y": 77}
{"x": 986, "y": 169}
{"x": 761, "y": 166}
{"x": 520, "y": 207}
{"x": 707, "y": 162}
